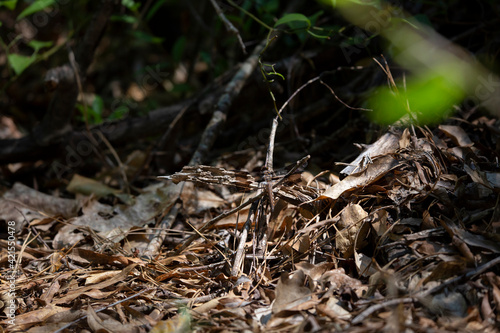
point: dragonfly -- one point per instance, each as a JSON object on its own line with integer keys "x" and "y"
{"x": 243, "y": 180}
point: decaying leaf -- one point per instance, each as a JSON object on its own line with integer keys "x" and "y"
{"x": 291, "y": 292}
{"x": 22, "y": 202}
{"x": 372, "y": 173}
{"x": 353, "y": 230}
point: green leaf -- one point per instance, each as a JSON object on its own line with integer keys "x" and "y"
{"x": 131, "y": 4}
{"x": 37, "y": 45}
{"x": 35, "y": 7}
{"x": 98, "y": 105}
{"x": 10, "y": 4}
{"x": 19, "y": 62}
{"x": 124, "y": 18}
{"x": 293, "y": 17}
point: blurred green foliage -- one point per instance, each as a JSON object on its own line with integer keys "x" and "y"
{"x": 165, "y": 50}
{"x": 427, "y": 99}
{"x": 439, "y": 78}
{"x": 35, "y": 7}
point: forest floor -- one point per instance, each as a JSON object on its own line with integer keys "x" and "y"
{"x": 216, "y": 214}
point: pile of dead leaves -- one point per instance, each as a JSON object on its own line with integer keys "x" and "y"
{"x": 407, "y": 241}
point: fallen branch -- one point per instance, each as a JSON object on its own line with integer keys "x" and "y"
{"x": 231, "y": 91}
{"x": 28, "y": 149}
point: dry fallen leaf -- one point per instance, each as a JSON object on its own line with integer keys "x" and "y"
{"x": 352, "y": 230}
{"x": 372, "y": 173}
{"x": 291, "y": 292}
{"x": 22, "y": 202}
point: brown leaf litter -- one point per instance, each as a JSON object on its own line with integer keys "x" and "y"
{"x": 407, "y": 241}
